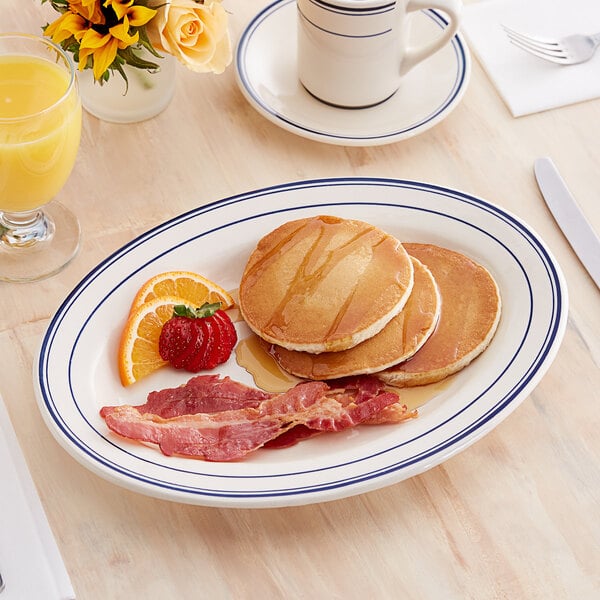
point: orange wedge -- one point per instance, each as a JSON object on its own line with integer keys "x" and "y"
{"x": 138, "y": 354}
{"x": 194, "y": 289}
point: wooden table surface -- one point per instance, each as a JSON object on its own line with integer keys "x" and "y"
{"x": 516, "y": 515}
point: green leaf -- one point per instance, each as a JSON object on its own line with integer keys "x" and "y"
{"x": 206, "y": 310}
{"x": 181, "y": 310}
{"x": 130, "y": 56}
{"x": 146, "y": 43}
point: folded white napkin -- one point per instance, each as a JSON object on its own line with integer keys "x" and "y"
{"x": 526, "y": 83}
{"x": 30, "y": 562}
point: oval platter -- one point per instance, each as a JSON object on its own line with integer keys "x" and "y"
{"x": 76, "y": 371}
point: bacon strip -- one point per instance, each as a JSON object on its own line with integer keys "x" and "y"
{"x": 203, "y": 393}
{"x": 392, "y": 414}
{"x": 195, "y": 425}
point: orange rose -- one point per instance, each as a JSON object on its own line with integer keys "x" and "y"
{"x": 196, "y": 34}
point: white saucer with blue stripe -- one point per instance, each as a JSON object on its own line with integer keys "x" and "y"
{"x": 267, "y": 76}
{"x": 76, "y": 372}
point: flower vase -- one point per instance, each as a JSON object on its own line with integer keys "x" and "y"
{"x": 143, "y": 96}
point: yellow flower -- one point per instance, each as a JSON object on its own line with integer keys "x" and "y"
{"x": 67, "y": 25}
{"x": 107, "y": 34}
{"x": 103, "y": 47}
{"x": 119, "y": 6}
{"x": 138, "y": 15}
{"x": 196, "y": 34}
{"x": 88, "y": 9}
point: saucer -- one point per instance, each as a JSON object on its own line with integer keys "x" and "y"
{"x": 267, "y": 76}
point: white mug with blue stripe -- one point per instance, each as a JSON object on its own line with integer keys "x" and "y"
{"x": 353, "y": 53}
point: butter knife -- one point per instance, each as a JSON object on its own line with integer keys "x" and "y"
{"x": 579, "y": 233}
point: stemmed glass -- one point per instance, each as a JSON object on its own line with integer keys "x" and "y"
{"x": 40, "y": 130}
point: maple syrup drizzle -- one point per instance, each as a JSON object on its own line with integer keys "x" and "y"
{"x": 417, "y": 396}
{"x": 252, "y": 356}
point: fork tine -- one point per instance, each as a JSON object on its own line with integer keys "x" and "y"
{"x": 570, "y": 50}
{"x": 554, "y": 50}
{"x": 540, "y": 53}
{"x": 544, "y": 48}
{"x": 533, "y": 41}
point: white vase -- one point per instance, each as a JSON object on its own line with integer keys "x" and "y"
{"x": 143, "y": 97}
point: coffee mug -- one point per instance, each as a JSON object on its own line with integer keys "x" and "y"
{"x": 353, "y": 53}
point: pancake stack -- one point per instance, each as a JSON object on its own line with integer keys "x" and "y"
{"x": 333, "y": 297}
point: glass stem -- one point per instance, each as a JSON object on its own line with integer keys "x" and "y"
{"x": 22, "y": 229}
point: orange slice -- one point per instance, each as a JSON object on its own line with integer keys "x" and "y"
{"x": 138, "y": 354}
{"x": 194, "y": 289}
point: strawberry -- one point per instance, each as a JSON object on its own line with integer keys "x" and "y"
{"x": 197, "y": 339}
{"x": 227, "y": 337}
{"x": 201, "y": 357}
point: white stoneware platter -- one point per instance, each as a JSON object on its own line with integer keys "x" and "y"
{"x": 76, "y": 371}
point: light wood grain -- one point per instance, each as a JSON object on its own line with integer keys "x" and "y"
{"x": 515, "y": 516}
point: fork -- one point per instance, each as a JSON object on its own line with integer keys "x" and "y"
{"x": 569, "y": 50}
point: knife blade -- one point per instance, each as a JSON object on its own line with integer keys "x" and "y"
{"x": 570, "y": 218}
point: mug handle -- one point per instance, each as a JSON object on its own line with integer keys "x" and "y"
{"x": 414, "y": 56}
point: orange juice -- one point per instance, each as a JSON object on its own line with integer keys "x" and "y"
{"x": 40, "y": 130}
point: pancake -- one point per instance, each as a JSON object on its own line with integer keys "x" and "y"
{"x": 396, "y": 342}
{"x": 469, "y": 317}
{"x": 324, "y": 284}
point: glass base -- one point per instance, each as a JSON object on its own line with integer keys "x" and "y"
{"x": 41, "y": 249}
